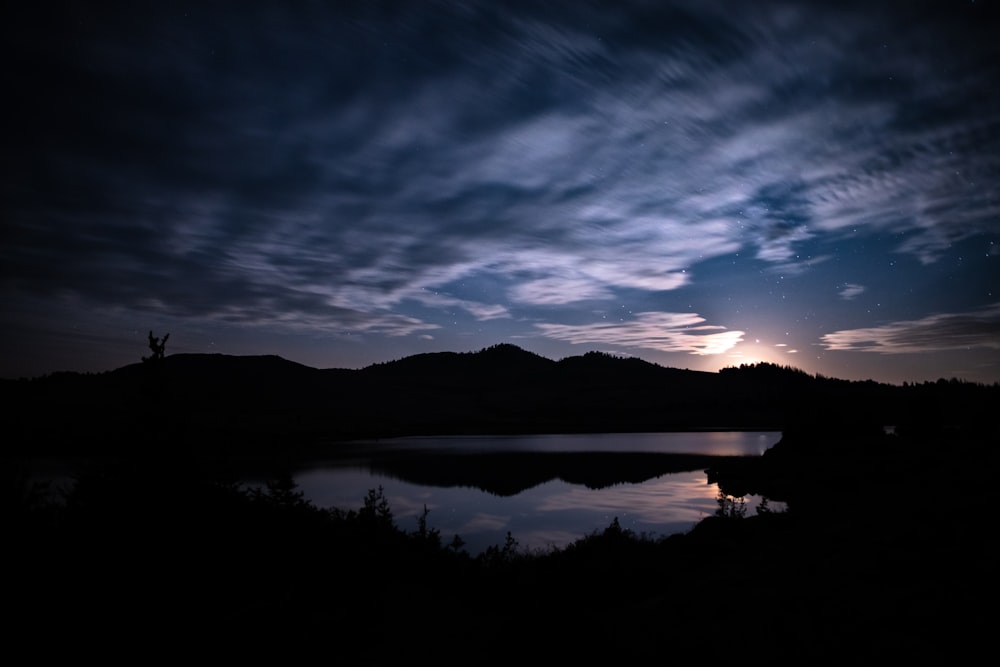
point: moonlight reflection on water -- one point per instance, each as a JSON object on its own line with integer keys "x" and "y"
{"x": 550, "y": 514}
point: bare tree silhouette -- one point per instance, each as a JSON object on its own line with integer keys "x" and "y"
{"x": 157, "y": 346}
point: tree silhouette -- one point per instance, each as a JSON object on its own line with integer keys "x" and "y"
{"x": 157, "y": 346}
{"x": 730, "y": 507}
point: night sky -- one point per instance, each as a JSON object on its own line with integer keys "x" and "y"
{"x": 697, "y": 184}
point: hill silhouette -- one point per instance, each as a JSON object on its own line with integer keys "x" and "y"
{"x": 510, "y": 473}
{"x": 267, "y": 402}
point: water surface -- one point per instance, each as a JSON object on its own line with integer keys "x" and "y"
{"x": 540, "y": 510}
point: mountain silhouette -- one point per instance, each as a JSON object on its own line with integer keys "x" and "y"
{"x": 269, "y": 403}
{"x": 510, "y": 473}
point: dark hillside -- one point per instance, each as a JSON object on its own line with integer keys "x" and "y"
{"x": 184, "y": 563}
{"x": 882, "y": 553}
{"x": 266, "y": 402}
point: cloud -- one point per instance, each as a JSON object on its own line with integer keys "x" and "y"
{"x": 851, "y": 291}
{"x": 666, "y": 332}
{"x": 572, "y": 279}
{"x": 335, "y": 321}
{"x": 480, "y": 311}
{"x": 558, "y": 290}
{"x": 946, "y": 331}
{"x": 482, "y": 521}
{"x": 338, "y": 169}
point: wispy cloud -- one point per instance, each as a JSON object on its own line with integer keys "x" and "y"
{"x": 629, "y": 165}
{"x": 340, "y": 170}
{"x": 479, "y": 311}
{"x": 558, "y": 290}
{"x": 482, "y": 521}
{"x": 946, "y": 331}
{"x": 334, "y": 321}
{"x": 851, "y": 291}
{"x": 666, "y": 332}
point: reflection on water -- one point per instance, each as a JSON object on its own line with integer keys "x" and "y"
{"x": 550, "y": 513}
{"x": 712, "y": 443}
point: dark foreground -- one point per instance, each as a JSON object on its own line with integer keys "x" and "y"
{"x": 898, "y": 569}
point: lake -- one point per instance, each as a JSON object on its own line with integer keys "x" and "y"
{"x": 546, "y": 490}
